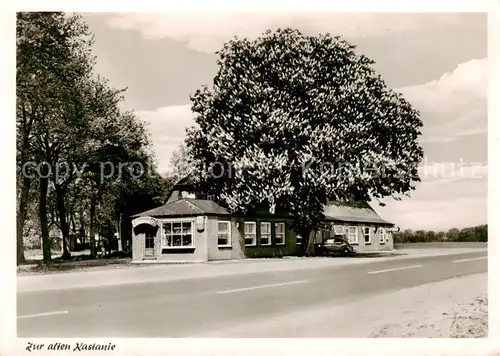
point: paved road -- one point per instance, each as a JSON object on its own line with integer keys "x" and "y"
{"x": 186, "y": 308}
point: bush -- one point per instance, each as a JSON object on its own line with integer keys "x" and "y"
{"x": 32, "y": 241}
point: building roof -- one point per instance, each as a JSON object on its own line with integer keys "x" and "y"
{"x": 186, "y": 207}
{"x": 187, "y": 181}
{"x": 358, "y": 212}
{"x": 352, "y": 211}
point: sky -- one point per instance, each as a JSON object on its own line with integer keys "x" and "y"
{"x": 438, "y": 61}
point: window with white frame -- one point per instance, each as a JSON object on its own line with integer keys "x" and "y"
{"x": 280, "y": 233}
{"x": 352, "y": 236}
{"x": 224, "y": 233}
{"x": 367, "y": 235}
{"x": 265, "y": 233}
{"x": 250, "y": 234}
{"x": 338, "y": 230}
{"x": 177, "y": 234}
{"x": 382, "y": 235}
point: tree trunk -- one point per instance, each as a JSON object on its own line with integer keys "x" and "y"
{"x": 44, "y": 227}
{"x": 93, "y": 251}
{"x": 82, "y": 229}
{"x": 22, "y": 210}
{"x": 119, "y": 235}
{"x": 25, "y": 182}
{"x": 72, "y": 222}
{"x": 310, "y": 246}
{"x": 305, "y": 233}
{"x": 307, "y": 243}
{"x": 61, "y": 210}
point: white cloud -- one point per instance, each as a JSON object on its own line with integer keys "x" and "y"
{"x": 454, "y": 105}
{"x": 436, "y": 214}
{"x": 207, "y": 33}
{"x": 167, "y": 127}
{"x": 440, "y": 172}
{"x": 450, "y": 195}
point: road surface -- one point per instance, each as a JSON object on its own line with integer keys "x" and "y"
{"x": 191, "y": 307}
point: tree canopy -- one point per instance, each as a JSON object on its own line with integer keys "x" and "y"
{"x": 292, "y": 121}
{"x": 89, "y": 161}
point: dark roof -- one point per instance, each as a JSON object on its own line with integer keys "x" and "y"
{"x": 353, "y": 211}
{"x": 359, "y": 211}
{"x": 186, "y": 207}
{"x": 186, "y": 181}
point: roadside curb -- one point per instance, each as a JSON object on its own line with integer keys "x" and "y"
{"x": 166, "y": 273}
{"x": 320, "y": 261}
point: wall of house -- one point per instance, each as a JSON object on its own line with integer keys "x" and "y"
{"x": 206, "y": 242}
{"x": 138, "y": 237}
{"x": 375, "y": 243}
{"x": 273, "y": 250}
{"x": 198, "y": 253}
{"x": 389, "y": 245}
{"x": 138, "y": 240}
{"x": 216, "y": 252}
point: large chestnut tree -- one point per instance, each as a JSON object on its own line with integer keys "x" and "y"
{"x": 292, "y": 121}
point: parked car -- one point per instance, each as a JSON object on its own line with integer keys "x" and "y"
{"x": 336, "y": 246}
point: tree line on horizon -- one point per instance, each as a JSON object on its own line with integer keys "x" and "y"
{"x": 469, "y": 234}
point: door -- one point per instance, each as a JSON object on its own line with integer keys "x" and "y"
{"x": 149, "y": 243}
